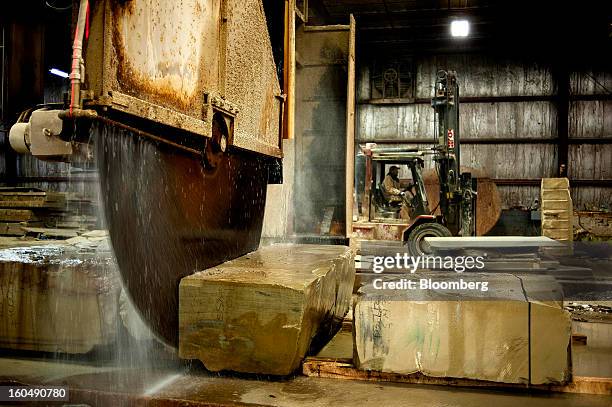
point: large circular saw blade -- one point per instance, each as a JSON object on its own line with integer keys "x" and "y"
{"x": 168, "y": 216}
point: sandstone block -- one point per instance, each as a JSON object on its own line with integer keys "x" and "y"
{"x": 501, "y": 335}
{"x": 55, "y": 299}
{"x": 261, "y": 312}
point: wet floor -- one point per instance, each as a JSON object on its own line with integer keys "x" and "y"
{"x": 593, "y": 359}
{"x": 92, "y": 384}
{"x": 135, "y": 373}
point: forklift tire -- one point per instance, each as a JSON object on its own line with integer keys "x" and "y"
{"x": 416, "y": 244}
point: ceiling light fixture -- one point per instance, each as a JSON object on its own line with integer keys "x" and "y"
{"x": 57, "y": 72}
{"x": 460, "y": 28}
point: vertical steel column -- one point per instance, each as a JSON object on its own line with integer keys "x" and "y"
{"x": 562, "y": 85}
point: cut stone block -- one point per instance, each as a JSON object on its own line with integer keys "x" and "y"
{"x": 552, "y": 223}
{"x": 55, "y": 298}
{"x": 482, "y": 242}
{"x": 476, "y": 335}
{"x": 555, "y": 183}
{"x": 557, "y": 213}
{"x": 557, "y": 207}
{"x": 550, "y": 334}
{"x": 551, "y": 204}
{"x": 559, "y": 234}
{"x": 260, "y": 313}
{"x": 555, "y": 195}
{"x": 550, "y": 328}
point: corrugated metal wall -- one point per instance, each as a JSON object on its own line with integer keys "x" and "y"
{"x": 510, "y": 101}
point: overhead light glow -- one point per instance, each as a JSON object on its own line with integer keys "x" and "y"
{"x": 460, "y": 28}
{"x": 57, "y": 72}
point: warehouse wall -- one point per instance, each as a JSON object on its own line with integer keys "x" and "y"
{"x": 530, "y": 114}
{"x": 591, "y": 119}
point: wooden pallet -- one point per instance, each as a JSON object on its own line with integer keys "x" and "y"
{"x": 344, "y": 369}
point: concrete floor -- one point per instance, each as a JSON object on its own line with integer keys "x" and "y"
{"x": 595, "y": 358}
{"x": 93, "y": 384}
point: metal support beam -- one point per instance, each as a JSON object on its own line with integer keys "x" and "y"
{"x": 537, "y": 182}
{"x": 561, "y": 80}
{"x": 490, "y": 99}
{"x": 289, "y": 71}
{"x": 498, "y": 99}
{"x": 350, "y": 131}
{"x": 49, "y": 179}
{"x": 496, "y": 140}
{"x": 498, "y": 181}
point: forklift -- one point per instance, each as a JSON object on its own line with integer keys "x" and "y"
{"x": 457, "y": 216}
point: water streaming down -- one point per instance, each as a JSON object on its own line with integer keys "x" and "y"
{"x": 134, "y": 357}
{"x": 65, "y": 298}
{"x": 168, "y": 216}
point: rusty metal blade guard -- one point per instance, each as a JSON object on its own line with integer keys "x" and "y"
{"x": 168, "y": 216}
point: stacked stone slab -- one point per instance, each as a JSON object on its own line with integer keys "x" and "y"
{"x": 514, "y": 333}
{"x": 557, "y": 209}
{"x": 261, "y": 312}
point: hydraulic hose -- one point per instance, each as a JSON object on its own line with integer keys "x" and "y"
{"x": 77, "y": 57}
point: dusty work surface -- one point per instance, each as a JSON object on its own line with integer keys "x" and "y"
{"x": 260, "y": 313}
{"x": 593, "y": 356}
{"x": 122, "y": 386}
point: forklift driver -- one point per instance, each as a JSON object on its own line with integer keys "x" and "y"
{"x": 391, "y": 188}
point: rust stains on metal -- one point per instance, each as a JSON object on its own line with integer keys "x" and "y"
{"x": 134, "y": 83}
{"x": 126, "y": 7}
{"x": 267, "y": 110}
{"x": 173, "y": 56}
{"x": 152, "y": 60}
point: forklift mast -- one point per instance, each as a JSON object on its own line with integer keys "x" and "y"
{"x": 446, "y": 105}
{"x": 456, "y": 189}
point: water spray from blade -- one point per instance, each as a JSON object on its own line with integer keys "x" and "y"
{"x": 170, "y": 215}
